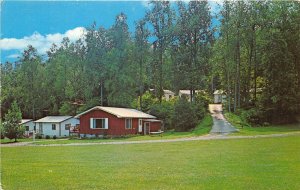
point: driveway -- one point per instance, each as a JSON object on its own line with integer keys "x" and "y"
{"x": 221, "y": 125}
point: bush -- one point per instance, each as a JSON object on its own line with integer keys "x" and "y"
{"x": 39, "y": 136}
{"x": 47, "y": 137}
{"x": 54, "y": 137}
{"x": 185, "y": 116}
{"x": 164, "y": 112}
{"x": 1, "y": 131}
{"x": 202, "y": 100}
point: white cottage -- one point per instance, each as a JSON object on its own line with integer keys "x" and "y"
{"x": 56, "y": 125}
{"x": 219, "y": 96}
{"x": 29, "y": 126}
{"x": 187, "y": 94}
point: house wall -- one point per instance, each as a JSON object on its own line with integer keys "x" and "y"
{"x": 30, "y": 124}
{"x": 154, "y": 126}
{"x": 60, "y": 128}
{"x": 116, "y": 126}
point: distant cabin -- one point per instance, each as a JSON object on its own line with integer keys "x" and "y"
{"x": 29, "y": 126}
{"x": 219, "y": 96}
{"x": 55, "y": 125}
{"x": 186, "y": 94}
{"x": 168, "y": 94}
{"x": 101, "y": 121}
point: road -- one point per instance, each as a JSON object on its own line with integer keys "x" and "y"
{"x": 221, "y": 125}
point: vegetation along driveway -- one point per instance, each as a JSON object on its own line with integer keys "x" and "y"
{"x": 221, "y": 125}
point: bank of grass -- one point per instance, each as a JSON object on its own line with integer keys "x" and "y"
{"x": 246, "y": 129}
{"x": 8, "y": 141}
{"x": 263, "y": 163}
{"x": 201, "y": 129}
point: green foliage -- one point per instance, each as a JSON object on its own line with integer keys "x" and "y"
{"x": 67, "y": 109}
{"x": 11, "y": 126}
{"x": 164, "y": 112}
{"x": 204, "y": 126}
{"x": 2, "y": 136}
{"x": 148, "y": 100}
{"x": 47, "y": 137}
{"x": 202, "y": 99}
{"x": 185, "y": 116}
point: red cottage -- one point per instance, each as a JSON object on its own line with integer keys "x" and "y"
{"x": 116, "y": 122}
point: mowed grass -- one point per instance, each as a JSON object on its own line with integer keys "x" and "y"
{"x": 263, "y": 163}
{"x": 201, "y": 129}
{"x": 245, "y": 129}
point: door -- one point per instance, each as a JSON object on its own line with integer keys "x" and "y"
{"x": 140, "y": 125}
{"x": 146, "y": 128}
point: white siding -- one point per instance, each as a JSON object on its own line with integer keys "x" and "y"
{"x": 60, "y": 128}
{"x": 30, "y": 124}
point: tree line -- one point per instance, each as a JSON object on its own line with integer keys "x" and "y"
{"x": 252, "y": 54}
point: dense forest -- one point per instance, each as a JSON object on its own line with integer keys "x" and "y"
{"x": 253, "y": 54}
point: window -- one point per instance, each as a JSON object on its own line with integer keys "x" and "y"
{"x": 34, "y": 128}
{"x": 99, "y": 123}
{"x": 53, "y": 127}
{"x": 27, "y": 128}
{"x": 67, "y": 126}
{"x": 128, "y": 123}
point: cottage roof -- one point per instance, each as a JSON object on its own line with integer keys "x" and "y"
{"x": 187, "y": 92}
{"x": 53, "y": 119}
{"x": 168, "y": 92}
{"x": 23, "y": 121}
{"x": 120, "y": 112}
{"x": 218, "y": 92}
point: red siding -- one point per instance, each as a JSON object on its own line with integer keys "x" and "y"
{"x": 154, "y": 126}
{"x": 116, "y": 126}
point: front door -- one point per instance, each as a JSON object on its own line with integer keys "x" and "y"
{"x": 146, "y": 128}
{"x": 140, "y": 125}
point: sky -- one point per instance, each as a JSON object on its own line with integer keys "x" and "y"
{"x": 42, "y": 23}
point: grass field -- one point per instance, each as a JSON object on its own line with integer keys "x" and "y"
{"x": 264, "y": 163}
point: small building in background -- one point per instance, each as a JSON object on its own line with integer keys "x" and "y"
{"x": 187, "y": 94}
{"x": 168, "y": 94}
{"x": 29, "y": 126}
{"x": 56, "y": 125}
{"x": 112, "y": 121}
{"x": 219, "y": 96}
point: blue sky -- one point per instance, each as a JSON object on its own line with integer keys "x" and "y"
{"x": 45, "y": 22}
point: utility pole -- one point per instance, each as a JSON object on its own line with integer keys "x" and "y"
{"x": 101, "y": 92}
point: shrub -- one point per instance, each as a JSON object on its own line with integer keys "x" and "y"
{"x": 164, "y": 112}
{"x": 185, "y": 116}
{"x": 39, "y": 136}
{"x": 47, "y": 137}
{"x": 54, "y": 137}
{"x": 1, "y": 131}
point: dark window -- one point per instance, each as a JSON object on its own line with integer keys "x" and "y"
{"x": 67, "y": 126}
{"x": 53, "y": 127}
{"x": 128, "y": 123}
{"x": 99, "y": 123}
{"x": 27, "y": 128}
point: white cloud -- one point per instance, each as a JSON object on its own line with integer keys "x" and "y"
{"x": 13, "y": 56}
{"x": 41, "y": 42}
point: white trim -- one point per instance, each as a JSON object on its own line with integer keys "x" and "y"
{"x": 93, "y": 121}
{"x": 140, "y": 125}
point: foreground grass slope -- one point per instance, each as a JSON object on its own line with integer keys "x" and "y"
{"x": 267, "y": 163}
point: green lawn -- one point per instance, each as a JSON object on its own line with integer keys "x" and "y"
{"x": 202, "y": 128}
{"x": 7, "y": 141}
{"x": 246, "y": 129}
{"x": 264, "y": 163}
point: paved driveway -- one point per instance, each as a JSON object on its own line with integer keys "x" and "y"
{"x": 221, "y": 125}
